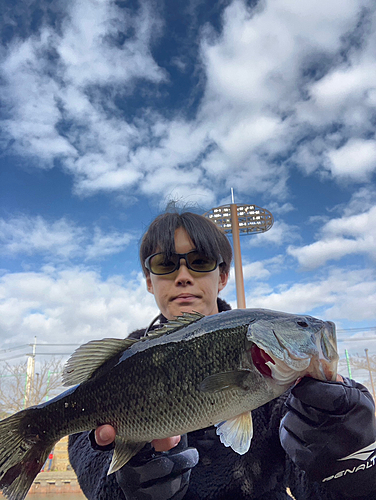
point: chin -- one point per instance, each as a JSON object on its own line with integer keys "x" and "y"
{"x": 185, "y": 308}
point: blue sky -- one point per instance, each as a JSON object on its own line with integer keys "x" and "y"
{"x": 110, "y": 110}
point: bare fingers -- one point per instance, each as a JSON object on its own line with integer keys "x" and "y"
{"x": 165, "y": 444}
{"x": 105, "y": 435}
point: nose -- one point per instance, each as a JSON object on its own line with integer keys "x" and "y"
{"x": 183, "y": 276}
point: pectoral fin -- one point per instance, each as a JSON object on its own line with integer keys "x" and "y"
{"x": 237, "y": 432}
{"x": 124, "y": 451}
{"x": 225, "y": 380}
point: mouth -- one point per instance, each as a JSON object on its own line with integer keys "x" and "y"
{"x": 276, "y": 369}
{"x": 184, "y": 297}
{"x": 260, "y": 359}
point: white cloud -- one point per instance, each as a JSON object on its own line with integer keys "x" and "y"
{"x": 356, "y": 225}
{"x": 58, "y": 240}
{"x": 69, "y": 306}
{"x": 342, "y": 294}
{"x": 255, "y": 270}
{"x": 53, "y": 111}
{"x": 165, "y": 178}
{"x": 259, "y": 52}
{"x": 355, "y": 159}
{"x": 28, "y": 235}
{"x": 108, "y": 180}
{"x": 89, "y": 41}
{"x": 277, "y": 208}
{"x": 318, "y": 253}
{"x": 276, "y": 74}
{"x": 107, "y": 244}
{"x": 279, "y": 234}
{"x": 362, "y": 200}
{"x": 31, "y": 97}
{"x": 348, "y": 235}
{"x": 256, "y": 277}
{"x": 343, "y": 99}
{"x": 347, "y": 82}
{"x": 257, "y": 83}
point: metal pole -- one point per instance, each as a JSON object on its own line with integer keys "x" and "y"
{"x": 240, "y": 295}
{"x": 253, "y": 220}
{"x": 30, "y": 374}
{"x": 370, "y": 375}
{"x": 348, "y": 362}
{"x": 48, "y": 383}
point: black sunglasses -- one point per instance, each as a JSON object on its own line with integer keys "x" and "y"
{"x": 159, "y": 263}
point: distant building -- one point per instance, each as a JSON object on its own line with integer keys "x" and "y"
{"x": 61, "y": 460}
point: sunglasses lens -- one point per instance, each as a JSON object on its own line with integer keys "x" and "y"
{"x": 161, "y": 264}
{"x": 201, "y": 263}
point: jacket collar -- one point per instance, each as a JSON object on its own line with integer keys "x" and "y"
{"x": 160, "y": 319}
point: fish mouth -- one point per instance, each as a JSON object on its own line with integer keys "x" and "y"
{"x": 260, "y": 359}
{"x": 271, "y": 367}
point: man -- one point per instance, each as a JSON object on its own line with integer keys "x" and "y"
{"x": 303, "y": 440}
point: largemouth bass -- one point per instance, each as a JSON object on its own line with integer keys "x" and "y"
{"x": 192, "y": 373}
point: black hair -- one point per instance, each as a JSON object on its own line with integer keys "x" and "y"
{"x": 205, "y": 235}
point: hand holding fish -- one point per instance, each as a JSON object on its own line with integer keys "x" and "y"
{"x": 160, "y": 476}
{"x": 329, "y": 431}
{"x": 105, "y": 435}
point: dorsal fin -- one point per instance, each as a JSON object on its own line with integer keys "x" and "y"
{"x": 89, "y": 357}
{"x": 173, "y": 325}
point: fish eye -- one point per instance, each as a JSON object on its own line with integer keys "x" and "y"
{"x": 304, "y": 324}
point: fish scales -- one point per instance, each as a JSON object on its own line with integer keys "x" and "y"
{"x": 173, "y": 378}
{"x": 135, "y": 398}
{"x": 184, "y": 377}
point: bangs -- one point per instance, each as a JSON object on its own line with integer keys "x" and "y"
{"x": 206, "y": 237}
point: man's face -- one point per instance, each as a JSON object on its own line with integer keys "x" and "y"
{"x": 185, "y": 290}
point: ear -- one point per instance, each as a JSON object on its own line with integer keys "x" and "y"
{"x": 149, "y": 284}
{"x": 222, "y": 281}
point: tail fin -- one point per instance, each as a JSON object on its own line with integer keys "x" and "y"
{"x": 23, "y": 451}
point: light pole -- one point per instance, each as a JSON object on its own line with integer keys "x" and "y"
{"x": 237, "y": 219}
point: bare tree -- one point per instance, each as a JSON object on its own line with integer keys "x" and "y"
{"x": 360, "y": 362}
{"x": 13, "y": 378}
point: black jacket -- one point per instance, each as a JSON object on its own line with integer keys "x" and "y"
{"x": 264, "y": 473}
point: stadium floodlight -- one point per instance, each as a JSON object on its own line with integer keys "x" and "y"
{"x": 237, "y": 219}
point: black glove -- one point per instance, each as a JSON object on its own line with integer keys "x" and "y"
{"x": 327, "y": 422}
{"x": 154, "y": 475}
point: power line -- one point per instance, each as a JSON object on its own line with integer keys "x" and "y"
{"x": 356, "y": 340}
{"x": 60, "y": 345}
{"x": 38, "y": 345}
{"x": 51, "y": 354}
{"x": 14, "y": 357}
{"x": 15, "y": 348}
{"x": 363, "y": 328}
